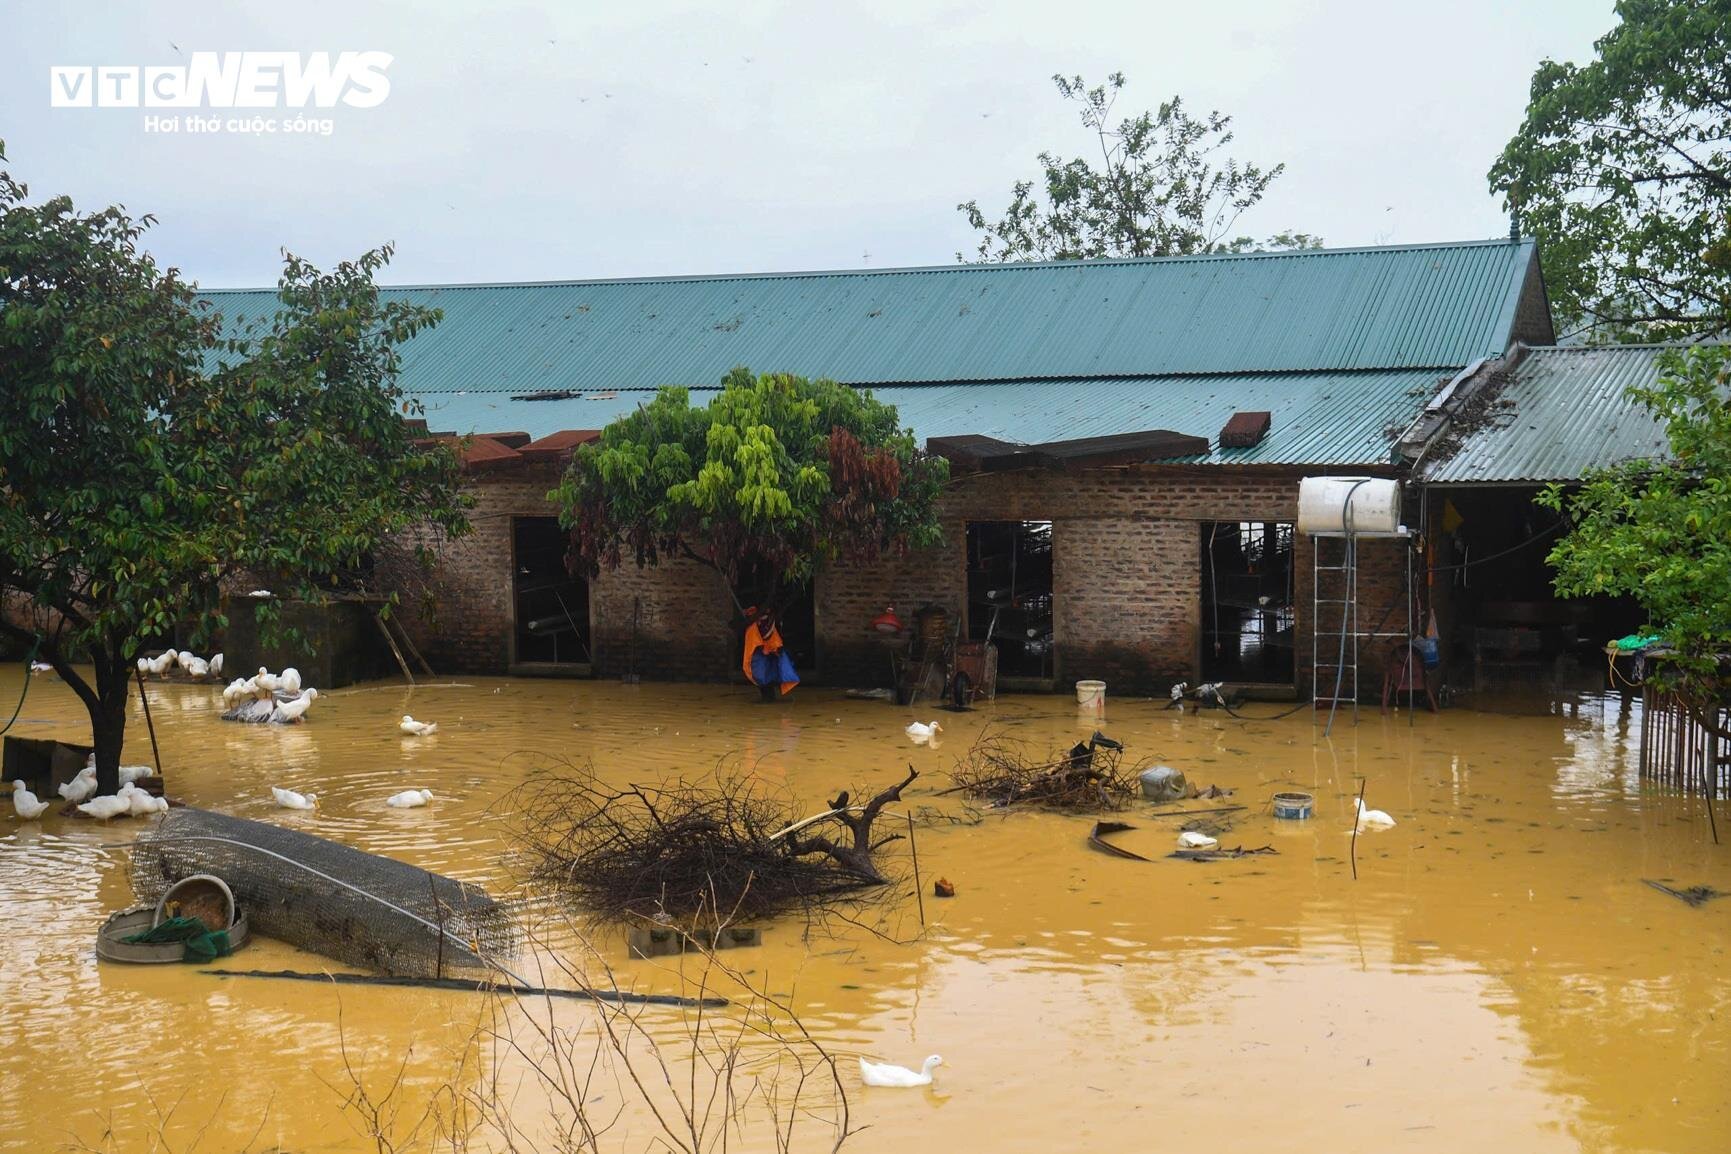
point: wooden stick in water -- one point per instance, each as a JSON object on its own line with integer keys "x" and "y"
{"x": 144, "y": 699}
{"x": 1352, "y": 850}
{"x": 919, "y": 886}
{"x": 616, "y": 996}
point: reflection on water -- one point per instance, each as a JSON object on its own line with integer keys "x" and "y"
{"x": 1497, "y": 972}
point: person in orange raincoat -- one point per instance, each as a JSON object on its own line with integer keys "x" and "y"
{"x": 766, "y": 662}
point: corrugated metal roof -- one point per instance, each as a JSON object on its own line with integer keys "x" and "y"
{"x": 1562, "y": 412}
{"x": 1318, "y": 418}
{"x": 1427, "y": 306}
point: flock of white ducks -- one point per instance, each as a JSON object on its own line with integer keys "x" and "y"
{"x": 274, "y": 697}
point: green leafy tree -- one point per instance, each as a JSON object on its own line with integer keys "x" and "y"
{"x": 1158, "y": 187}
{"x": 146, "y": 457}
{"x": 1622, "y": 171}
{"x": 777, "y": 474}
{"x": 1660, "y": 532}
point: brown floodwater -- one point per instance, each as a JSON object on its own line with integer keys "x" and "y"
{"x": 1498, "y": 971}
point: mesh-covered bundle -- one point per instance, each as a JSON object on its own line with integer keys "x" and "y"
{"x": 329, "y": 898}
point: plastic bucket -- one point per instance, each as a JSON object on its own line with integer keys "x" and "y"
{"x": 1091, "y": 697}
{"x": 202, "y": 896}
{"x": 1292, "y": 806}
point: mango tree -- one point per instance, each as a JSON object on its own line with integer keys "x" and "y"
{"x": 777, "y": 474}
{"x": 150, "y": 452}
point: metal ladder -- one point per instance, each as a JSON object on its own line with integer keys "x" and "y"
{"x": 1344, "y": 662}
{"x": 1343, "y": 668}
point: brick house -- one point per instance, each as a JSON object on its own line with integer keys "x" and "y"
{"x": 1126, "y": 440}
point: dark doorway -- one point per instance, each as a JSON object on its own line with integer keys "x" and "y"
{"x": 798, "y": 622}
{"x": 1010, "y": 594}
{"x": 552, "y": 606}
{"x": 1247, "y": 621}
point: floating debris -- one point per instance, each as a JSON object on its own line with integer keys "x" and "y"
{"x": 1696, "y": 896}
{"x": 1088, "y": 778}
{"x": 1102, "y": 829}
{"x": 1221, "y": 854}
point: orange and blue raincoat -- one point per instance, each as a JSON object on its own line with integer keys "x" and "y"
{"x": 766, "y": 661}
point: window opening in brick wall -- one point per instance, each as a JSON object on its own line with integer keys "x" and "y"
{"x": 552, "y": 606}
{"x": 1247, "y": 619}
{"x": 1010, "y": 594}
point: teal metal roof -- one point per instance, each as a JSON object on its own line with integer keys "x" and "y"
{"x": 1408, "y": 307}
{"x": 1560, "y": 413}
{"x": 1318, "y": 418}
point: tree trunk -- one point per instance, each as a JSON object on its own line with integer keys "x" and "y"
{"x": 108, "y": 718}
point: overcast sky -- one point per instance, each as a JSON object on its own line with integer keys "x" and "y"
{"x": 565, "y": 141}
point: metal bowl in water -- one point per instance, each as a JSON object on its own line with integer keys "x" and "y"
{"x": 112, "y": 946}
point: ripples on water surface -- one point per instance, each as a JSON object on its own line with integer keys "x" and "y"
{"x": 1497, "y": 973}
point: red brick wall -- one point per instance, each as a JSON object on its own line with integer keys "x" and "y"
{"x": 684, "y": 610}
{"x": 684, "y": 623}
{"x": 1126, "y": 574}
{"x": 469, "y": 592}
{"x": 1127, "y": 571}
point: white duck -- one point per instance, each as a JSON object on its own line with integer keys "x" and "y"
{"x": 266, "y": 681}
{"x": 290, "y": 681}
{"x": 138, "y": 803}
{"x": 107, "y": 806}
{"x": 234, "y": 691}
{"x": 1371, "y": 818}
{"x": 409, "y": 799}
{"x": 41, "y": 667}
{"x": 289, "y": 799}
{"x": 160, "y": 663}
{"x": 884, "y": 1074}
{"x": 417, "y": 728}
{"x": 290, "y": 712}
{"x": 252, "y": 712}
{"x": 1190, "y": 839}
{"x": 144, "y": 665}
{"x": 196, "y": 667}
{"x": 216, "y": 665}
{"x": 922, "y": 732}
{"x": 27, "y": 805}
{"x": 134, "y": 773}
{"x": 80, "y": 787}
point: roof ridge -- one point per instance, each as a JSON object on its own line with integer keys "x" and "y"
{"x": 962, "y": 267}
{"x": 579, "y": 392}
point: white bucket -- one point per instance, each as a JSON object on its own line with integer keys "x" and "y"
{"x": 1090, "y": 697}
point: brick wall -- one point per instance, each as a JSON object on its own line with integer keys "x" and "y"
{"x": 683, "y": 623}
{"x": 469, "y": 592}
{"x": 1127, "y": 571}
{"x": 1127, "y": 574}
{"x": 683, "y": 608}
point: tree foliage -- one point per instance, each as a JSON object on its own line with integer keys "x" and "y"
{"x": 1660, "y": 532}
{"x": 1159, "y": 187}
{"x": 1621, "y": 170}
{"x": 149, "y": 452}
{"x": 776, "y": 474}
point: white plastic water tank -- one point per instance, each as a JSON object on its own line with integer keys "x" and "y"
{"x": 1322, "y": 505}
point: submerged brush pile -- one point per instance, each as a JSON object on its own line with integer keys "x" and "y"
{"x": 1090, "y": 778}
{"x": 684, "y": 852}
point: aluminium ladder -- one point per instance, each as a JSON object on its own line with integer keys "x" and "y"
{"x": 1342, "y": 637}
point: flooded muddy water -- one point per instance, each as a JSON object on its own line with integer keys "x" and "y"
{"x": 1497, "y": 973}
